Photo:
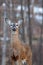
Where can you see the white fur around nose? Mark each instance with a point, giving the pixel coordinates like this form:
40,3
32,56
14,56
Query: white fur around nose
23,61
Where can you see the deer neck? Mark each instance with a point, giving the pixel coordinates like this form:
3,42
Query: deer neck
15,36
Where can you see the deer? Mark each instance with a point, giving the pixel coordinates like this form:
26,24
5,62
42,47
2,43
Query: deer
21,52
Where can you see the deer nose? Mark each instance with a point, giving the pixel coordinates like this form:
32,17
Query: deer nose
14,29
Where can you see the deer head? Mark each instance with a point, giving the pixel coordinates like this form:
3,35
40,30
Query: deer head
15,26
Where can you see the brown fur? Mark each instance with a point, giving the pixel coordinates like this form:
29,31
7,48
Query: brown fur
20,51
27,54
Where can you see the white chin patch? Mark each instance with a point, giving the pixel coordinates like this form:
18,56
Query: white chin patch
23,61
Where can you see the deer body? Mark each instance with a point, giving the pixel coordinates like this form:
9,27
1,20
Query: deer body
22,53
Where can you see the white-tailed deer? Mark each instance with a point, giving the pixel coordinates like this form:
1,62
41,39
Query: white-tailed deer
22,54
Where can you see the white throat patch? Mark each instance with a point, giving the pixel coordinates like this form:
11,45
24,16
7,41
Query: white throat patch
23,61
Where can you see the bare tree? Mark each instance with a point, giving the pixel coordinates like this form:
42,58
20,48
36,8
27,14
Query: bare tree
40,44
23,32
29,26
